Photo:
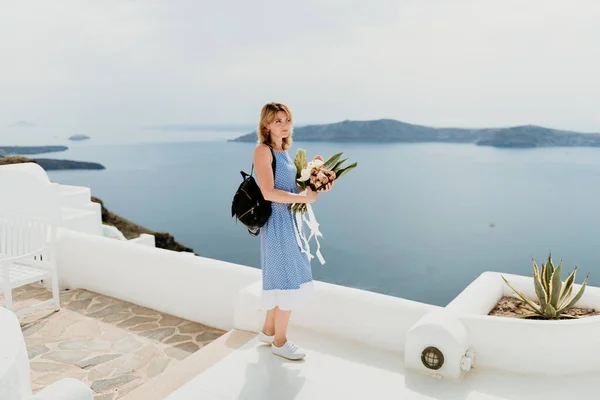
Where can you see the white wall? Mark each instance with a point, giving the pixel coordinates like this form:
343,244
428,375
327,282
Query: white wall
195,288
26,190
225,295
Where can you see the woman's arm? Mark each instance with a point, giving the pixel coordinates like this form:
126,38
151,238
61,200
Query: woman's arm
264,175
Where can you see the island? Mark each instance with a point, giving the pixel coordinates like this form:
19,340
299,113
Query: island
28,150
51,164
79,137
22,124
390,131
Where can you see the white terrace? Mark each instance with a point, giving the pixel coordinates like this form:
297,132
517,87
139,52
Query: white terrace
137,322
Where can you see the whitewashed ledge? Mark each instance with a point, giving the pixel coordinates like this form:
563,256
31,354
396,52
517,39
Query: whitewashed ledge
226,296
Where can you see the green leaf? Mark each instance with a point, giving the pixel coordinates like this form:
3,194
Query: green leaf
539,291
548,275
530,303
562,304
550,264
544,282
332,160
555,284
300,161
536,270
549,311
567,287
338,165
577,296
344,171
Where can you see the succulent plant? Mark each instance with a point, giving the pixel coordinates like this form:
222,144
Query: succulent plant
553,296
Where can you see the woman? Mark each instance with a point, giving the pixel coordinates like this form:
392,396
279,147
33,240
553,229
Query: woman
286,271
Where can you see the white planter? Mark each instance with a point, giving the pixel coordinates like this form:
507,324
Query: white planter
563,347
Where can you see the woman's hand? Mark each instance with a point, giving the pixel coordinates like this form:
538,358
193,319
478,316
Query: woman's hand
328,187
311,195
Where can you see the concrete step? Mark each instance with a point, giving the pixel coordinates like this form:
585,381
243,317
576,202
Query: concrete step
176,376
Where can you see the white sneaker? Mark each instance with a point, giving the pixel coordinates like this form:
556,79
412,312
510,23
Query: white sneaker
289,351
262,337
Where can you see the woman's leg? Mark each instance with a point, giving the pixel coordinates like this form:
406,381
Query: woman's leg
282,317
269,326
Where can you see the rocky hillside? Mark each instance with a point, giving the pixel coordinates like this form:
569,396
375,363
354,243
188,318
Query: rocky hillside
132,230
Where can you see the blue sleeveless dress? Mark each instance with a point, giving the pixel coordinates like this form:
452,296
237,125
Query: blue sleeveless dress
286,271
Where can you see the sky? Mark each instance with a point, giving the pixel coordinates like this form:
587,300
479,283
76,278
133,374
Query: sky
459,63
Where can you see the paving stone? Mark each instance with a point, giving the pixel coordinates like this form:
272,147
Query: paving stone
32,328
204,336
78,305
158,334
68,357
99,345
92,362
131,363
110,310
192,327
144,311
134,321
102,371
169,320
116,317
73,345
144,327
112,383
182,350
47,366
35,351
127,345
178,338
85,294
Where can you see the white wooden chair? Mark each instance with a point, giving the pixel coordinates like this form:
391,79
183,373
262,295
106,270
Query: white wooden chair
27,255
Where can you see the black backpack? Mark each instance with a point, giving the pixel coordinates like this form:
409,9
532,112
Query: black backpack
249,205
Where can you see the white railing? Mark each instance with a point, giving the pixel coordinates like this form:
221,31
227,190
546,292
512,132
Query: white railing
27,247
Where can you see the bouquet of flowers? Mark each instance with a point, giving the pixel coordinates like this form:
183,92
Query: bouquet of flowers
317,173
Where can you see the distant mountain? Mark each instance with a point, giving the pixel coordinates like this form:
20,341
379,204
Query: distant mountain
389,130
22,124
27,150
79,137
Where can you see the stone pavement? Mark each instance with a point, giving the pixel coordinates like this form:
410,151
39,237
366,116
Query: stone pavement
111,345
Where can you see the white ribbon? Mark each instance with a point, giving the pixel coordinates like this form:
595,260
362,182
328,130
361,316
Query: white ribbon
312,223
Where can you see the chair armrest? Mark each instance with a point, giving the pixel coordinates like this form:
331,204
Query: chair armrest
65,389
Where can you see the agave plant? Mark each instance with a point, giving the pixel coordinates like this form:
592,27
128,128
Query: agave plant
553,296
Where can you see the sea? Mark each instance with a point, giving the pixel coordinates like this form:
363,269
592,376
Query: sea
417,221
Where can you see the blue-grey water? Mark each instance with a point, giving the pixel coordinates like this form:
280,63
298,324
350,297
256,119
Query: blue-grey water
413,220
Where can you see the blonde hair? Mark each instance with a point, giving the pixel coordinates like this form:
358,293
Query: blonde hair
267,116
